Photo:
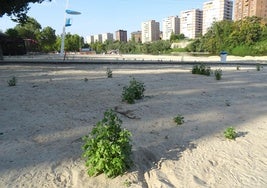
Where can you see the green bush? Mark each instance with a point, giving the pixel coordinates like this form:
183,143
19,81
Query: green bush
179,119
230,133
201,69
218,74
12,81
107,148
133,92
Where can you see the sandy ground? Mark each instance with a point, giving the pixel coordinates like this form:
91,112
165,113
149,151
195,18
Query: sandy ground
43,118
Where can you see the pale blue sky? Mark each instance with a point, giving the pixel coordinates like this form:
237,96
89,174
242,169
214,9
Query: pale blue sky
102,16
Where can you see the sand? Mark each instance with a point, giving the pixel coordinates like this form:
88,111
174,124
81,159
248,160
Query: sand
43,118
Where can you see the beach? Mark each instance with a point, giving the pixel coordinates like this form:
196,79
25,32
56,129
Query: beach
44,117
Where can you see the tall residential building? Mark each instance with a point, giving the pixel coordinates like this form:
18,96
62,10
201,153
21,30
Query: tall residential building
216,10
90,39
98,38
248,8
191,23
107,36
136,36
121,35
150,31
170,25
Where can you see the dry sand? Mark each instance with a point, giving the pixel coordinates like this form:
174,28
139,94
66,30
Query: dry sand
43,118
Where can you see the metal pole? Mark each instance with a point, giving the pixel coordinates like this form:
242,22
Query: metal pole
64,31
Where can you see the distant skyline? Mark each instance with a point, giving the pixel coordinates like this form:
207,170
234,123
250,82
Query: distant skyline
101,16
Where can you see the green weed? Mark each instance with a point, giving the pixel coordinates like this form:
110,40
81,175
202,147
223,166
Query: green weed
230,133
12,81
107,148
218,74
179,119
133,92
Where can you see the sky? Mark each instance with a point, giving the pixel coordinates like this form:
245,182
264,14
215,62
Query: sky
103,16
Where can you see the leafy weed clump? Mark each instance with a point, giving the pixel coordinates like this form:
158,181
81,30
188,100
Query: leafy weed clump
218,74
107,148
12,81
133,92
230,133
109,73
201,69
179,119
258,67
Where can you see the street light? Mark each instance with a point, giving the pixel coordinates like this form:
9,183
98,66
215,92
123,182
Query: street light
67,23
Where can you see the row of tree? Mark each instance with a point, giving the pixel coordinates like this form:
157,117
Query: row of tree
244,37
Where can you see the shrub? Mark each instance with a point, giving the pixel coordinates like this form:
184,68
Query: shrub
230,133
12,81
107,148
133,92
179,120
218,74
109,73
201,69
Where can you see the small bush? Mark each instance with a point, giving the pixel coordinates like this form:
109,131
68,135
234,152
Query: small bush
218,74
107,148
109,73
238,67
133,92
179,120
201,69
12,81
230,133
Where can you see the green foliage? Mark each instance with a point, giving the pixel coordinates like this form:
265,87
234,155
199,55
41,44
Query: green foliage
243,37
237,67
12,81
133,92
17,9
218,74
109,73
127,183
72,42
107,148
201,69
179,119
230,133
47,39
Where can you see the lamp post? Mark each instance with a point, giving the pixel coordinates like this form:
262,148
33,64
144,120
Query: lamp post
66,24
64,31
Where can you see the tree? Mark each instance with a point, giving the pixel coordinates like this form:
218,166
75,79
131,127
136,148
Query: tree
17,9
29,30
47,39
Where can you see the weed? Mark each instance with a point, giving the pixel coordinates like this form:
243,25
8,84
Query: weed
179,120
107,148
86,79
133,92
237,67
109,73
218,74
127,183
230,133
12,81
201,69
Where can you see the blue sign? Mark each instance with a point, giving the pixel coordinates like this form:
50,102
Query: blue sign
72,12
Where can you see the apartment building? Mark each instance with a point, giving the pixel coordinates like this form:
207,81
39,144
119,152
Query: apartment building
98,38
150,31
121,35
170,25
191,23
90,39
107,36
248,8
214,11
136,36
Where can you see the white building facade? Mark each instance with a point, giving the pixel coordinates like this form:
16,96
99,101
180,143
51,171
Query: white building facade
191,23
170,25
98,38
107,36
90,39
150,31
216,10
